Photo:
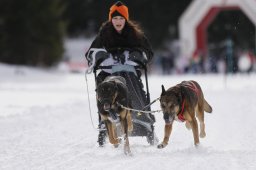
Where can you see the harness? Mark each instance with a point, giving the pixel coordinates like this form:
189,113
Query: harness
180,114
191,85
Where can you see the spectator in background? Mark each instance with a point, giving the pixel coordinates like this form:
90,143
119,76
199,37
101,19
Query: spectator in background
167,62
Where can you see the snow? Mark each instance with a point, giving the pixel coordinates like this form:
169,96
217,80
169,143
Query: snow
45,124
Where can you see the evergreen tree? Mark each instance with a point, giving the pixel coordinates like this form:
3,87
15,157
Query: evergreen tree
31,32
77,14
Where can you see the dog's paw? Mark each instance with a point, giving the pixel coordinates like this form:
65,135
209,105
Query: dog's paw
127,150
161,146
116,145
120,140
202,134
197,145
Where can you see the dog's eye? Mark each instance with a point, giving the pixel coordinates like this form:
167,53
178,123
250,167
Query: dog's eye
162,105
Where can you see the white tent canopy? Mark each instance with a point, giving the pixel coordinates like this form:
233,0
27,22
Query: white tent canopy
198,12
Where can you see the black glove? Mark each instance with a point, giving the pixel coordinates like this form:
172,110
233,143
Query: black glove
138,57
99,57
121,58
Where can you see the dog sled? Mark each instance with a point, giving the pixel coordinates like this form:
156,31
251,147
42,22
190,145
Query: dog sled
143,122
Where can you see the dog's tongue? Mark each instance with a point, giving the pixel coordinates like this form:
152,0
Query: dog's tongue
106,106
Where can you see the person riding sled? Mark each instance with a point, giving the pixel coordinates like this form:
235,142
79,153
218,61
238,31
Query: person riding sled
119,42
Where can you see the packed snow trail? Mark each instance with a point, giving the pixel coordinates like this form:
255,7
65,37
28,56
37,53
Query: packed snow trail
45,124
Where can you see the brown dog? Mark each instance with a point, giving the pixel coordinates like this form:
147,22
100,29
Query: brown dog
111,94
184,102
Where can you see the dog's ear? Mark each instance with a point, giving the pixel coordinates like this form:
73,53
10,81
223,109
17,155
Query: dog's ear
163,90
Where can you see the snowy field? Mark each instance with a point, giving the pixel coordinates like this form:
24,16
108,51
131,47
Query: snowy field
45,125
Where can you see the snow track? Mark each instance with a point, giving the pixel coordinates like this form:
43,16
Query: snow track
45,125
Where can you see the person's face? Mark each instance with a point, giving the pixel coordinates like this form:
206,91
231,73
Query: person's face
118,23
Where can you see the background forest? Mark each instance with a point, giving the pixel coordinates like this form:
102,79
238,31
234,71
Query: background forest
32,31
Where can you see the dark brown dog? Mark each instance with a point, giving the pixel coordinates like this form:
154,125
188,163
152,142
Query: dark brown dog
111,94
184,102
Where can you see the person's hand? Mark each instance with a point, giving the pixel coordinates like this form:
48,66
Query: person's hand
138,57
100,57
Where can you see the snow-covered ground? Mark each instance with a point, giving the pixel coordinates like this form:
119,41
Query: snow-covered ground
45,124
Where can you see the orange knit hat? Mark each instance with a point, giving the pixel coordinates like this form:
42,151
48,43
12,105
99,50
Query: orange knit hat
118,9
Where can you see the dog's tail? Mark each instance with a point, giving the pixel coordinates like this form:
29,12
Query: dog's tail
207,107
